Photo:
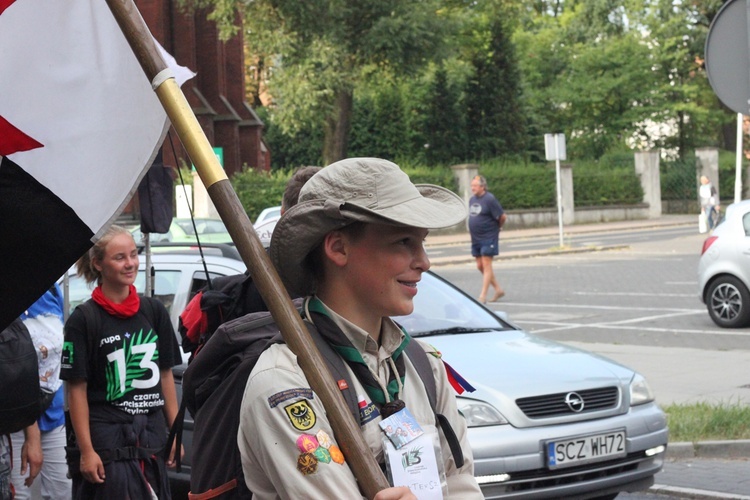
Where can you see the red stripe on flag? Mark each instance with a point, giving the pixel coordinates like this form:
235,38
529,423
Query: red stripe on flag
13,140
4,4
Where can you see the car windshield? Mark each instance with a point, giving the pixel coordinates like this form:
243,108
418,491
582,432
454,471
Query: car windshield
441,308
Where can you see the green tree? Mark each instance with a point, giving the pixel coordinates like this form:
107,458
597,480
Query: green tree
443,122
682,95
495,121
322,49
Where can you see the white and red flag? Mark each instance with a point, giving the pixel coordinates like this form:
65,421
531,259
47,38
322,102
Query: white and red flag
79,126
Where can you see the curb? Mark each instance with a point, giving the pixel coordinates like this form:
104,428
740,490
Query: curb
679,492
709,449
540,253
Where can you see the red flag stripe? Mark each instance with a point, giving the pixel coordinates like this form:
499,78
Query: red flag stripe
4,4
13,140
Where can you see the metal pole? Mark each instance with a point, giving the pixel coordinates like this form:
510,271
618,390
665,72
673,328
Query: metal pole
559,188
738,167
149,281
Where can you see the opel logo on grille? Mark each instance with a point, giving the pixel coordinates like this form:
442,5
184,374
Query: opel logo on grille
574,402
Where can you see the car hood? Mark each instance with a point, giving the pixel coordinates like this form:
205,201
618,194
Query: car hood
506,365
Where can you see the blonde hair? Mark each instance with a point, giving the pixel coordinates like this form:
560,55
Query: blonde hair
85,264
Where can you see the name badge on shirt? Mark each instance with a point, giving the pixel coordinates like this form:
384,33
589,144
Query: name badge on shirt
411,456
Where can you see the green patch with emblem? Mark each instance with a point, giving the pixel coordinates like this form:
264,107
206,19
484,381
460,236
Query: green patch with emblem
301,415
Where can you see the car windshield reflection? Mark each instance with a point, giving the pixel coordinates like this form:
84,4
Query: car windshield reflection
441,309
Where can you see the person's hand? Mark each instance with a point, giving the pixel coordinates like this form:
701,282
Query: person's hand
92,468
172,463
396,493
31,454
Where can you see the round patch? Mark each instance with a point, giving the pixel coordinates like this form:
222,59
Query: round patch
307,463
336,454
307,443
324,439
323,455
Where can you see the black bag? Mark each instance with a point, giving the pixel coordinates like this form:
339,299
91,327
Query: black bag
213,386
21,399
228,298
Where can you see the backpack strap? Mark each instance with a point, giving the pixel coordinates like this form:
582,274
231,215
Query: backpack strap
421,363
93,326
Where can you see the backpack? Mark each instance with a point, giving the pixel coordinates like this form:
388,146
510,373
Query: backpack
213,386
21,399
227,298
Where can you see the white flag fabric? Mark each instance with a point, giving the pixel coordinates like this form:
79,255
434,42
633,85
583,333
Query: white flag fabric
79,126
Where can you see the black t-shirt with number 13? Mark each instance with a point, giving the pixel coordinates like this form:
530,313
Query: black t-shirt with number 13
124,370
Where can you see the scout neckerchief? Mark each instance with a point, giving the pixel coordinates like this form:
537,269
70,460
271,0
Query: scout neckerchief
343,346
127,308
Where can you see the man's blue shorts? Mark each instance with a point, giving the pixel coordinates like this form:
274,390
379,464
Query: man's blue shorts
488,248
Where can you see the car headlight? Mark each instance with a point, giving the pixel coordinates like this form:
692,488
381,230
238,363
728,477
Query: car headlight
640,392
478,413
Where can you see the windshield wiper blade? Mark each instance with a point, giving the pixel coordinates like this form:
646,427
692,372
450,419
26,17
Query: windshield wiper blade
454,330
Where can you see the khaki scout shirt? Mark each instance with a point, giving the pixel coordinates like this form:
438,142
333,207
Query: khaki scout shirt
286,441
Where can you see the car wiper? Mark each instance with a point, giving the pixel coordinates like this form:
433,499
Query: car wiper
454,330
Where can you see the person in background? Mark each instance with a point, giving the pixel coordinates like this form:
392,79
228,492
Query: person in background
486,219
294,184
117,360
709,199
354,248
44,320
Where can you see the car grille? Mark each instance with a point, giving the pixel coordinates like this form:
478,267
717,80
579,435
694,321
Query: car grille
555,405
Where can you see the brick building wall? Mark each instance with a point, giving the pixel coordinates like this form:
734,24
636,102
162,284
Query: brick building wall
217,93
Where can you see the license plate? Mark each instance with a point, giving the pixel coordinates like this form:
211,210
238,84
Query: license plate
585,449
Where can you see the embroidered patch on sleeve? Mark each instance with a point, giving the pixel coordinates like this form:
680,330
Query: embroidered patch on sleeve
367,412
324,439
288,394
336,454
322,455
307,443
307,464
321,448
67,355
301,415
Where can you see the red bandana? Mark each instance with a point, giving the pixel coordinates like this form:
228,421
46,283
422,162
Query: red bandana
126,309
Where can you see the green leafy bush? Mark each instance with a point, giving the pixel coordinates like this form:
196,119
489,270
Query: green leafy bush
258,190
519,185
618,186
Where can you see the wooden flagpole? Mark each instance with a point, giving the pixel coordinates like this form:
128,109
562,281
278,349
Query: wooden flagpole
347,432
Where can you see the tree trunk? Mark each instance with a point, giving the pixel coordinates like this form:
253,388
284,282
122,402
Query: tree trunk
337,128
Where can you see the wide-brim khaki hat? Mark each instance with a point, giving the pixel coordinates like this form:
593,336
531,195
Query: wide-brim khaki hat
356,189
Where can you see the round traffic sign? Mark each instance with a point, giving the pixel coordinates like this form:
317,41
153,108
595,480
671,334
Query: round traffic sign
728,56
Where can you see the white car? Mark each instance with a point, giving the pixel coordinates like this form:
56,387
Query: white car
268,213
179,274
724,269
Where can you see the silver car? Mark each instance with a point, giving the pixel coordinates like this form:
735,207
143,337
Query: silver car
547,420
724,269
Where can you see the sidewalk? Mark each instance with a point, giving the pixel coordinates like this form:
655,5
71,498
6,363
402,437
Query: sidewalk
464,239
707,470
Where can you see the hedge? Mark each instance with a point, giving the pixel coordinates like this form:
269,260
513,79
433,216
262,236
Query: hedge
517,185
